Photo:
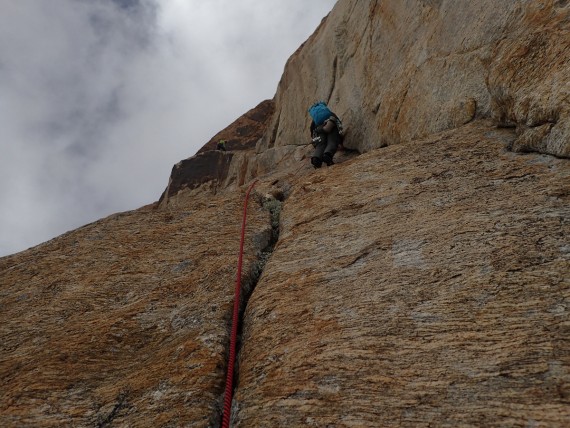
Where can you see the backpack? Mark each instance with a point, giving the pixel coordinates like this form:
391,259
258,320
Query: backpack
319,112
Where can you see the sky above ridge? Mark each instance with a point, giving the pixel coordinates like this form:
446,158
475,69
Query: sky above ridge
100,98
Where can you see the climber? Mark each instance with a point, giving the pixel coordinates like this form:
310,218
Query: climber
326,134
221,145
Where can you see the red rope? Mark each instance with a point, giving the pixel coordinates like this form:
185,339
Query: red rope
228,395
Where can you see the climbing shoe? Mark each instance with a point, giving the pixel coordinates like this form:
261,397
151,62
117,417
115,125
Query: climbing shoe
328,159
317,163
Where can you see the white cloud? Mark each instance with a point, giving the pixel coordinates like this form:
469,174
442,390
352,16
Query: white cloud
99,98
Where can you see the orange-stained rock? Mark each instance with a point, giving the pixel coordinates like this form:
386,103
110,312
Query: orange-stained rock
422,283
424,287
124,322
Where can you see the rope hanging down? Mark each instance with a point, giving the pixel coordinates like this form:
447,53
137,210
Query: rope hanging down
228,395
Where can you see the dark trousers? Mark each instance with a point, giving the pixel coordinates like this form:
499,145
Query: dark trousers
329,144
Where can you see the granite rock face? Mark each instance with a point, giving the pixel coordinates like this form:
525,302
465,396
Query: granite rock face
529,79
124,322
424,287
424,282
398,70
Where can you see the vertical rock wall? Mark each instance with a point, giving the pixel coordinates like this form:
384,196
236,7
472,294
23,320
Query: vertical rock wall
395,71
399,70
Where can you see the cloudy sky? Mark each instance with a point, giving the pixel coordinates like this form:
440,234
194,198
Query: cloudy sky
100,98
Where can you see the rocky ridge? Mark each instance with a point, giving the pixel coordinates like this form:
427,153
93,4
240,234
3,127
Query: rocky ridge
422,283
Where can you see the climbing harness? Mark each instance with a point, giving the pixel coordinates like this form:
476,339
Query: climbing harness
228,394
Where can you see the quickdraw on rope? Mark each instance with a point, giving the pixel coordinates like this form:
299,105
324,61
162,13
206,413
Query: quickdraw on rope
228,394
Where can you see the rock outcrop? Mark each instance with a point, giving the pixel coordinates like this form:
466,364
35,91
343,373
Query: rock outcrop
211,169
246,130
421,281
206,169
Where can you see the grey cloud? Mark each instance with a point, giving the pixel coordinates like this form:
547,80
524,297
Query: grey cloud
99,98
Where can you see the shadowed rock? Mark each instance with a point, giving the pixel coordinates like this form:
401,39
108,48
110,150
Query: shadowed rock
206,167
245,131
